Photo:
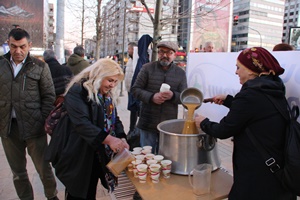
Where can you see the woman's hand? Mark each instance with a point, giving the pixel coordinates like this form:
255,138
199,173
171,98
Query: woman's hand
198,119
125,143
219,99
116,144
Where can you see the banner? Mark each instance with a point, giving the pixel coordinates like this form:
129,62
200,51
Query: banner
26,14
210,23
214,73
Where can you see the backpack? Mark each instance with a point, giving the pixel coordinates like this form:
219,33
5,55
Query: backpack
57,125
55,115
289,173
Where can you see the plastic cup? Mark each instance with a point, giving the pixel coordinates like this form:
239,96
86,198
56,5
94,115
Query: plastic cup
155,172
201,179
120,161
142,172
166,168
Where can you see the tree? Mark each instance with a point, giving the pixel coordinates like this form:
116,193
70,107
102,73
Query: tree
98,29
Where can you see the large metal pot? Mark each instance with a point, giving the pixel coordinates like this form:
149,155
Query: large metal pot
186,150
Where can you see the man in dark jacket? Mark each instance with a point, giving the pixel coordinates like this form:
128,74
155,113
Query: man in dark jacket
61,75
158,106
76,62
26,99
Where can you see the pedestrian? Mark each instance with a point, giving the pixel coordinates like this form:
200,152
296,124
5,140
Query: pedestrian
283,47
208,47
158,106
76,61
128,78
61,74
95,132
27,96
133,103
250,109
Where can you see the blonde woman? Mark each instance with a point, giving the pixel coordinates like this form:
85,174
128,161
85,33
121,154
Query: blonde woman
95,132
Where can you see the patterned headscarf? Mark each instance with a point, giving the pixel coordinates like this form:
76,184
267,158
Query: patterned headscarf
259,61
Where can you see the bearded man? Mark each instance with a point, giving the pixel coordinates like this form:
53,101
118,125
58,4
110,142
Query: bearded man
156,105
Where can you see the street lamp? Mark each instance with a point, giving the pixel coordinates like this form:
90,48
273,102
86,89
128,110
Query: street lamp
123,45
258,34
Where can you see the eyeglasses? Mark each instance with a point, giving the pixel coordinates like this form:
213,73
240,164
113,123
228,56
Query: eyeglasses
169,53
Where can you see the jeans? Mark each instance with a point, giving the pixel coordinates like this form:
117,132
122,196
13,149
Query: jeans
15,151
149,138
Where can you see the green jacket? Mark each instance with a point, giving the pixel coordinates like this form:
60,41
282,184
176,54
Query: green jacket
77,63
31,94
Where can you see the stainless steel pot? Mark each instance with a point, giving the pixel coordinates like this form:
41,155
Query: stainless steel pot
186,150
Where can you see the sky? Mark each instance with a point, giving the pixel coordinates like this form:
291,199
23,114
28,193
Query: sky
72,22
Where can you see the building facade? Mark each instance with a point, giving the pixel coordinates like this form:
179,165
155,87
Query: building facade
260,23
291,23
131,19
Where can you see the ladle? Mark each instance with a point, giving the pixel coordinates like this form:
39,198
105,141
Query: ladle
191,99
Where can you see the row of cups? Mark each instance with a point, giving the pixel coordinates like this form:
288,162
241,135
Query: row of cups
146,163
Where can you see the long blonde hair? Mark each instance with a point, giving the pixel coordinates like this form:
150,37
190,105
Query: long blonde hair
94,74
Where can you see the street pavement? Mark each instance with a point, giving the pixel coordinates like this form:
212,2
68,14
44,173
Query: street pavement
7,190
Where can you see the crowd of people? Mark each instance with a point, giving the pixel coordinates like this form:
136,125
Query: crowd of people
29,88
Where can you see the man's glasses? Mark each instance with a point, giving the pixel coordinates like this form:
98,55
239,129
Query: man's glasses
169,53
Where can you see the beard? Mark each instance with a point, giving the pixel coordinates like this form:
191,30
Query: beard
164,62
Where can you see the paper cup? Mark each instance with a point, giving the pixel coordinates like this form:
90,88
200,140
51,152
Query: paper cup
135,153
158,158
130,167
142,172
137,149
166,168
140,157
164,87
155,172
147,147
146,151
149,156
134,169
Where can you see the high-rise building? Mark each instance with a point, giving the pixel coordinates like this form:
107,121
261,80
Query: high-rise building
259,23
291,23
133,21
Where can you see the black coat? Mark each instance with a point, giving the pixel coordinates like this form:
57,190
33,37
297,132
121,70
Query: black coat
61,75
250,108
86,136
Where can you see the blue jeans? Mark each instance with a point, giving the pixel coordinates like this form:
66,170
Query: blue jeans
148,138
15,151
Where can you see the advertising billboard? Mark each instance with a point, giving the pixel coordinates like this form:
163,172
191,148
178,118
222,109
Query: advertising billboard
295,37
211,24
27,14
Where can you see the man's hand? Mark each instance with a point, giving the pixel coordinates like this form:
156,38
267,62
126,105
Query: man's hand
161,97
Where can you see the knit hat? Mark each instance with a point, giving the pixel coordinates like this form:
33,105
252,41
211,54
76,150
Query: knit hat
169,45
260,61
